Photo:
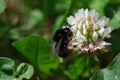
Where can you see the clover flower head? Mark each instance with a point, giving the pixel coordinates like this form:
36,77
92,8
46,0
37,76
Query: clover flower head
89,31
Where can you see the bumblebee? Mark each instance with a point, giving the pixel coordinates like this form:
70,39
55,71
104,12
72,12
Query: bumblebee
62,38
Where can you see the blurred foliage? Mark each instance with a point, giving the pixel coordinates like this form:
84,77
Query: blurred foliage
115,21
112,72
24,71
7,70
37,50
23,20
2,6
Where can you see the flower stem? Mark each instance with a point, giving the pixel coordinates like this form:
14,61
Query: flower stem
88,65
66,14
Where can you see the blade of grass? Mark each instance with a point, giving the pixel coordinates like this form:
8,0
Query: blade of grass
65,16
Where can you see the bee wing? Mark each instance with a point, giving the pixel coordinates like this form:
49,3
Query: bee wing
58,46
53,50
55,47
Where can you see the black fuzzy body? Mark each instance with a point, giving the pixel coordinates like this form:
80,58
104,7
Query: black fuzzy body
62,38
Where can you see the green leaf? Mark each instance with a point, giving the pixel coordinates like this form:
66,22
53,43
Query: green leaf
112,72
24,71
37,50
2,6
115,21
6,69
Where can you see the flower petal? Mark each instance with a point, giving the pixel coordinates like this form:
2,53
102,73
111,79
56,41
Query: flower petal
71,20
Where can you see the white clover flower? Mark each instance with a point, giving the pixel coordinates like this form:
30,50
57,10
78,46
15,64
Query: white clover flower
88,30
